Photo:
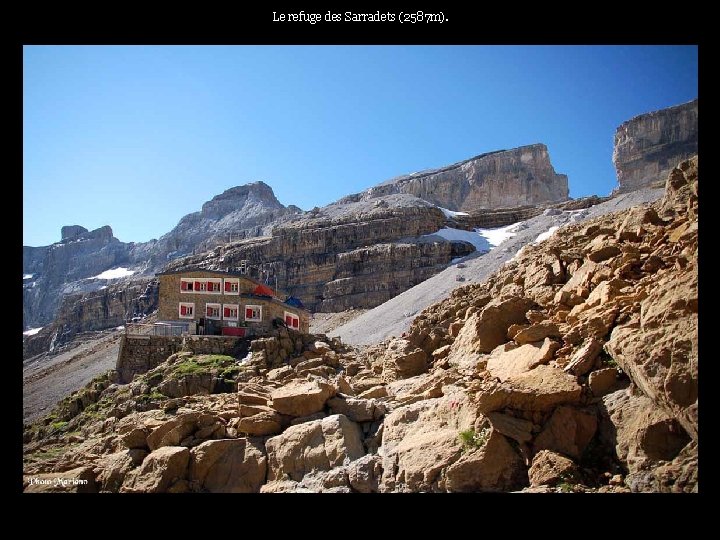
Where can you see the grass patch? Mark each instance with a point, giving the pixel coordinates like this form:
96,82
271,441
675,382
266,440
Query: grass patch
471,440
59,425
152,396
48,453
204,363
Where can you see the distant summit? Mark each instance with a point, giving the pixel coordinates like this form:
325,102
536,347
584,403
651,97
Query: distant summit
499,179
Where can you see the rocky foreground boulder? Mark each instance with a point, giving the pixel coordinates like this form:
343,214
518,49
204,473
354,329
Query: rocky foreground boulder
573,368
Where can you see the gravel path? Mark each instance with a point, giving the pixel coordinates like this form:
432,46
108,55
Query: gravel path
322,323
394,316
48,379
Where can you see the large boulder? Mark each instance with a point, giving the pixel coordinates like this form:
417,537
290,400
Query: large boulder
540,389
485,330
507,360
262,423
187,429
112,469
356,409
159,471
643,436
420,441
495,466
661,356
319,445
402,360
568,432
228,466
364,474
301,398
549,468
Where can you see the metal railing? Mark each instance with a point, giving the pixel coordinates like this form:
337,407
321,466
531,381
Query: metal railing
145,329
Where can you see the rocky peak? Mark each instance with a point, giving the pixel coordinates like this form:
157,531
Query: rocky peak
78,232
68,232
257,194
649,146
500,179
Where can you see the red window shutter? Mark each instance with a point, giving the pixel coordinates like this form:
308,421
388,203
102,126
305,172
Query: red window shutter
197,285
227,286
183,286
209,312
288,320
296,323
183,310
227,311
248,313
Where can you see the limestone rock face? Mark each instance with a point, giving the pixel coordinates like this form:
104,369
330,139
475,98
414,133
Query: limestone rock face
302,399
499,179
549,467
644,437
420,441
159,471
658,347
319,445
650,145
494,467
228,466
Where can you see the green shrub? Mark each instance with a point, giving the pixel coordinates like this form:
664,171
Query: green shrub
58,425
471,440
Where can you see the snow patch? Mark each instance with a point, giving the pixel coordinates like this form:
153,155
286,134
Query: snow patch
28,276
119,328
115,273
480,243
483,239
32,331
451,213
547,234
497,236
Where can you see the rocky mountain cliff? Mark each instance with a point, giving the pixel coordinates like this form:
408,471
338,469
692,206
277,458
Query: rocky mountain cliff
351,254
505,178
648,146
574,368
240,212
51,271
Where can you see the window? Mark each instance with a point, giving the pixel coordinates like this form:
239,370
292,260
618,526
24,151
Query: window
212,311
186,310
230,312
200,286
213,285
253,313
186,285
292,321
232,286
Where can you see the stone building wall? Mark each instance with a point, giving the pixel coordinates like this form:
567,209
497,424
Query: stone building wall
171,296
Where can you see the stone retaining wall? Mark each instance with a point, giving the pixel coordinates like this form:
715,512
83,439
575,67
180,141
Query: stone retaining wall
139,353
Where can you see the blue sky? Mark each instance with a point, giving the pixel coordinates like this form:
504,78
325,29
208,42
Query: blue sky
136,137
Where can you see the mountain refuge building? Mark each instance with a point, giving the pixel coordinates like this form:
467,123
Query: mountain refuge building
210,302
